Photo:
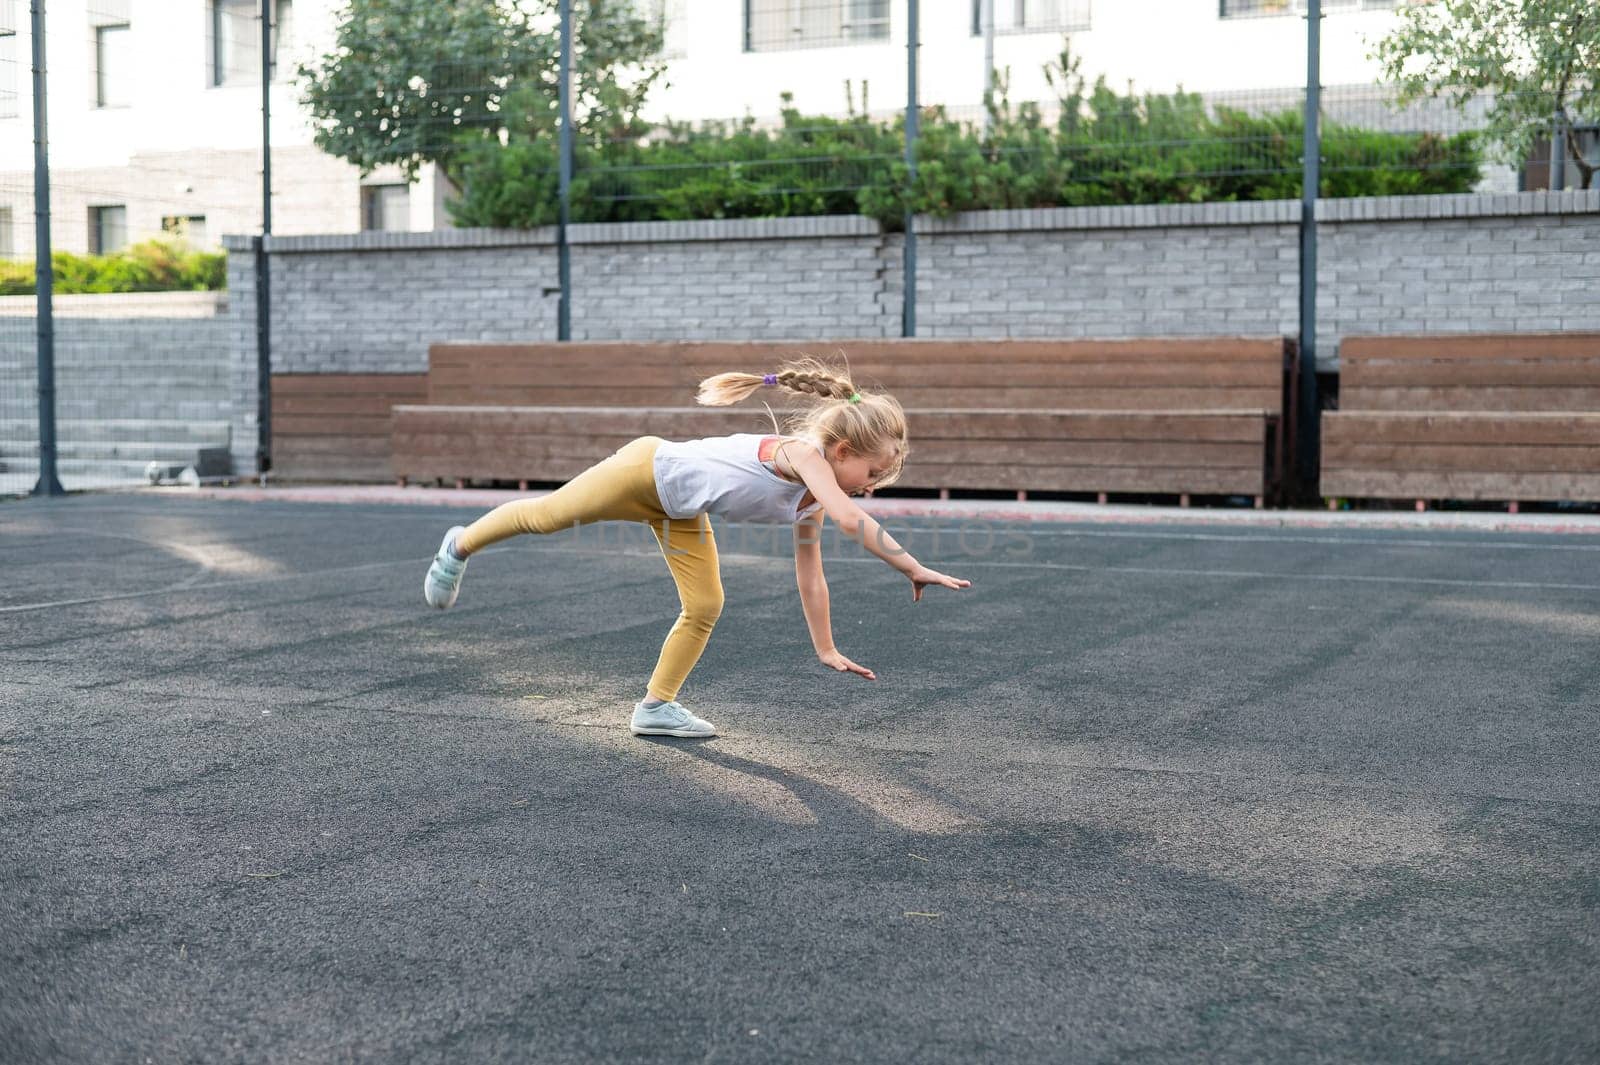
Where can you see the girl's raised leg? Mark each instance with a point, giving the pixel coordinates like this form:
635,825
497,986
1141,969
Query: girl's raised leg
620,488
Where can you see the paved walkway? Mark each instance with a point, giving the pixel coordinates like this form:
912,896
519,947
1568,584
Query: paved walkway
1195,790
987,510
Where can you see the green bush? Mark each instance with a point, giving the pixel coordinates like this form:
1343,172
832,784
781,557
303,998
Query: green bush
152,266
16,279
1102,148
721,170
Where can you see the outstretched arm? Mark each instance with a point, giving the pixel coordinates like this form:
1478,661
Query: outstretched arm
814,596
858,525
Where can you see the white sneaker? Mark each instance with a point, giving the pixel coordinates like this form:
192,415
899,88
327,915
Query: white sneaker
443,581
669,719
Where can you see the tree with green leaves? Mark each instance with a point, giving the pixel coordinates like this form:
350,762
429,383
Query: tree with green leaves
1537,60
410,82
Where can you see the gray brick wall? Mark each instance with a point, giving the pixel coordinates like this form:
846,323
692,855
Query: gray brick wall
375,312
1474,275
121,368
148,380
1201,280
240,324
1512,263
738,289
374,302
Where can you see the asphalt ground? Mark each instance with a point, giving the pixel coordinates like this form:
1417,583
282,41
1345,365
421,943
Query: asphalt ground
1144,793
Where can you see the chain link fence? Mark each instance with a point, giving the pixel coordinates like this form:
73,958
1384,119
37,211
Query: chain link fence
401,115
136,330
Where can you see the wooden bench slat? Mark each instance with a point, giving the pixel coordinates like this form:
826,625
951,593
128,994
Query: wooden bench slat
1459,485
680,385
1469,346
334,469
686,423
1469,399
1494,458
295,425
466,444
363,446
1544,428
331,408
1501,373
325,384
1087,453
1144,479
911,398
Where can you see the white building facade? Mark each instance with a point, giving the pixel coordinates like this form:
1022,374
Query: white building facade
155,122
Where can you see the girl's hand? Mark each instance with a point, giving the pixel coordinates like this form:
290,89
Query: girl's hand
844,665
922,576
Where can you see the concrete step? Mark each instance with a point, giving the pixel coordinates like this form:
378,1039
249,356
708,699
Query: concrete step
83,386
76,474
196,433
120,410
110,451
16,357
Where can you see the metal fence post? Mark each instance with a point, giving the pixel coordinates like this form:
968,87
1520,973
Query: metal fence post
986,26
263,272
1308,418
563,252
1558,153
48,484
908,304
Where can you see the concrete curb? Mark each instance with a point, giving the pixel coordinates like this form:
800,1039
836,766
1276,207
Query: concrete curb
969,510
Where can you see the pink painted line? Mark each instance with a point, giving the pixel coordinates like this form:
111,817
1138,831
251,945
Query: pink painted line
968,509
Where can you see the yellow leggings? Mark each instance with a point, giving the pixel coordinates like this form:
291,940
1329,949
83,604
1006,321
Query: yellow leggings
623,488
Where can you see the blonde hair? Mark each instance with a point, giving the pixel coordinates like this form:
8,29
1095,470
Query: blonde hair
873,423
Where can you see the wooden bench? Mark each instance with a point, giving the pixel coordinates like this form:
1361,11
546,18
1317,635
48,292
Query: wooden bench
1512,417
1182,417
335,427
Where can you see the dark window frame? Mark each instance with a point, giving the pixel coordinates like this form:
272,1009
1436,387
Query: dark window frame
1296,8
371,205
9,32
751,47
218,76
100,98
97,228
1014,31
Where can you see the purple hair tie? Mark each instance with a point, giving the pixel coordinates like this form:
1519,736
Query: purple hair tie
770,379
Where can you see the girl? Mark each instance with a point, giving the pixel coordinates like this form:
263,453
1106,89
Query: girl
846,443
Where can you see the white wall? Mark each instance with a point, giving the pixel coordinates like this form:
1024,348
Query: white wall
1159,44
185,146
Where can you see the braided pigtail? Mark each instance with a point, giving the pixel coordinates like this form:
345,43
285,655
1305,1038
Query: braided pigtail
870,423
726,389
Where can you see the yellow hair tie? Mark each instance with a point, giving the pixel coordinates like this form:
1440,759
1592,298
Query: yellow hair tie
855,397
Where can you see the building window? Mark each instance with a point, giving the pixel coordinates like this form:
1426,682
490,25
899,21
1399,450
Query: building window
776,25
1033,16
1259,8
671,20
386,207
189,228
10,102
108,229
113,54
236,40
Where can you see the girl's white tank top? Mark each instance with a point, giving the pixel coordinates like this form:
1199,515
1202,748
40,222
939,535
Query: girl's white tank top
725,476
